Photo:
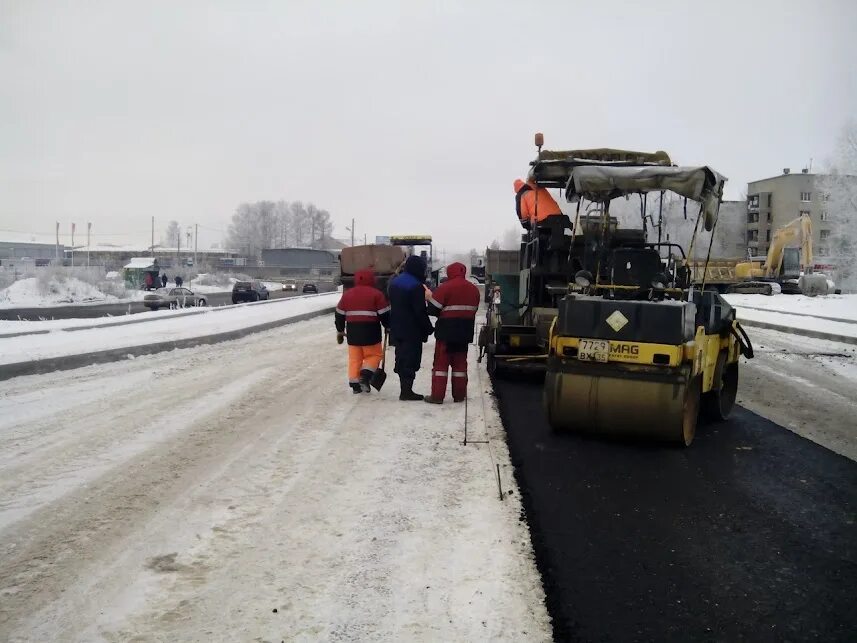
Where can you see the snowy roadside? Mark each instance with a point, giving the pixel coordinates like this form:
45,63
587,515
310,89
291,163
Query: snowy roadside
832,306
804,384
261,501
43,325
815,314
160,328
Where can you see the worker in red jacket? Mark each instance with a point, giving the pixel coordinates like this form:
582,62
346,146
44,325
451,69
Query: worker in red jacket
361,312
455,303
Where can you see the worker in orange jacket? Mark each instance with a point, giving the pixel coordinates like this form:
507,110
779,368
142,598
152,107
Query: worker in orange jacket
361,312
533,203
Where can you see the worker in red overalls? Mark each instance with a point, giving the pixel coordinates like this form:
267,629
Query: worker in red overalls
455,303
361,312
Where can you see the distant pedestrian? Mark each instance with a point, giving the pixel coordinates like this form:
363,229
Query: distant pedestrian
410,326
179,281
164,280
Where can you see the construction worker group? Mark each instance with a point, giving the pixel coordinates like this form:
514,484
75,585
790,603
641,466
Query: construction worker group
364,310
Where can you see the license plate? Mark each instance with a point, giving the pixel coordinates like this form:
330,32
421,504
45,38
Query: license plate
593,350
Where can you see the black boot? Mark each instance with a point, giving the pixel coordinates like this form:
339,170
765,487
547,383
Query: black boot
365,378
356,388
407,394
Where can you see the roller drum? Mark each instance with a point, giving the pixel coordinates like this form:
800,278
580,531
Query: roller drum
614,404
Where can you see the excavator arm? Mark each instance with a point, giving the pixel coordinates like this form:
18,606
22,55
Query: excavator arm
800,227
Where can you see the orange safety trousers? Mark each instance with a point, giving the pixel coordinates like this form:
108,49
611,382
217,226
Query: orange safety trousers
363,357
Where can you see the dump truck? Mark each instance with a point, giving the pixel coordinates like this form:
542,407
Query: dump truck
383,260
637,347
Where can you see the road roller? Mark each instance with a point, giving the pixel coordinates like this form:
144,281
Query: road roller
637,348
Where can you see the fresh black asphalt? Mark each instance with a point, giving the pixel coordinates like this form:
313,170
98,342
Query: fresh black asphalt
748,535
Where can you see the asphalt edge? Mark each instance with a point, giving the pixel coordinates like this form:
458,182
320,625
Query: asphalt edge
69,362
815,334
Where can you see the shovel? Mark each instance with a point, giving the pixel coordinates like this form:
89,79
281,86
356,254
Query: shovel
380,375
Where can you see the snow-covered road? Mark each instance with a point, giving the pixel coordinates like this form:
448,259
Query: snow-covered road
240,492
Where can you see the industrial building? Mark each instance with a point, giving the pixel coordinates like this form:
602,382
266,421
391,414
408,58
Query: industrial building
16,252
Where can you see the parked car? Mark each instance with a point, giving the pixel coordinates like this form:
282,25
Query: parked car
310,288
290,286
249,291
172,298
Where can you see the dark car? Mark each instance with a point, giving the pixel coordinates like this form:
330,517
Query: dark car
310,288
249,291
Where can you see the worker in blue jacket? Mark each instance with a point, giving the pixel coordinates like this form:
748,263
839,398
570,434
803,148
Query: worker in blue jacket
410,326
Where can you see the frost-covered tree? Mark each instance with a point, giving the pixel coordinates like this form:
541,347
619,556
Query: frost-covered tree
170,238
269,224
838,190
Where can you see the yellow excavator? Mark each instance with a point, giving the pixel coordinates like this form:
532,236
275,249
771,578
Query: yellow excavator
637,348
787,267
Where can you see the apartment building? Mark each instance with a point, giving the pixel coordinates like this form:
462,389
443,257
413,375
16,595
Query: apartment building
773,202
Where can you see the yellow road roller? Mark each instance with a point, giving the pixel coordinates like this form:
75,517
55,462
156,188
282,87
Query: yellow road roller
637,349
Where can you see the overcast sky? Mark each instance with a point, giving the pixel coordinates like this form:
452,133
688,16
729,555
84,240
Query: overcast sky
407,116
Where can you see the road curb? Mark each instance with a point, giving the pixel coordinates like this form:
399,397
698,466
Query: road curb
68,362
815,334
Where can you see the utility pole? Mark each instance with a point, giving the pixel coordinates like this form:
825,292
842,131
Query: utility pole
72,245
352,232
179,247
153,237
58,244
195,243
365,243
88,231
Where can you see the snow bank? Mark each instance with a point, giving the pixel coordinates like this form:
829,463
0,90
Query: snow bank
18,326
34,293
161,328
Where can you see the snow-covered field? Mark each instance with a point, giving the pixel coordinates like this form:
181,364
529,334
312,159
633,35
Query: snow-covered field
156,328
797,311
241,492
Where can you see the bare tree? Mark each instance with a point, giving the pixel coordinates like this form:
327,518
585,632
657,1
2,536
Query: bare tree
268,224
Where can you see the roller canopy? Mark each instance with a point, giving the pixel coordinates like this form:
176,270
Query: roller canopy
604,182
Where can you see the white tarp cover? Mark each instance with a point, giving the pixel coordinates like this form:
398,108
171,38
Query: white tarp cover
141,263
603,182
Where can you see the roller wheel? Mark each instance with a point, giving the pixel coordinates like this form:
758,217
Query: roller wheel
690,411
491,364
718,403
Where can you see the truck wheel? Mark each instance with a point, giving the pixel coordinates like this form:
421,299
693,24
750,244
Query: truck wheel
202,302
